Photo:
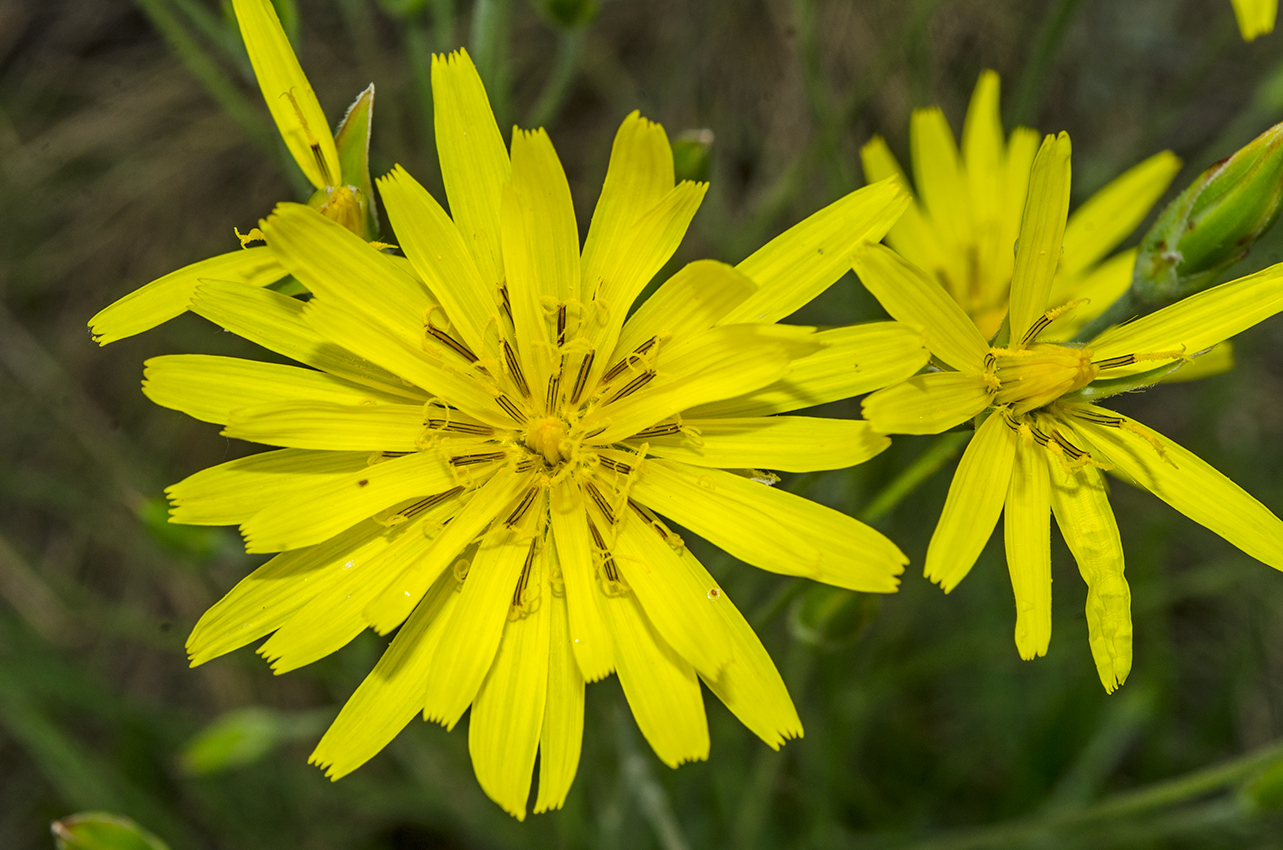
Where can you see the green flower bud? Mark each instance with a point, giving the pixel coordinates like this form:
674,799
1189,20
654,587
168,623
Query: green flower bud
351,203
1212,224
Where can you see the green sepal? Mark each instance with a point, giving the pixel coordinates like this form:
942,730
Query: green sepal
102,831
353,143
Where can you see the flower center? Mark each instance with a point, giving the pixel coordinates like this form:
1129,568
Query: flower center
342,204
1034,377
549,437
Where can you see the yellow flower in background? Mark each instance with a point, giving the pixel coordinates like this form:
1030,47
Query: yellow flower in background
483,448
338,168
1255,17
1042,441
970,202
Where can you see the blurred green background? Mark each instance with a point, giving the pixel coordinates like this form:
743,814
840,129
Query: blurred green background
132,141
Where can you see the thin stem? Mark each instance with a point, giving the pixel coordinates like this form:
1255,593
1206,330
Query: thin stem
941,451
651,798
1041,59
565,64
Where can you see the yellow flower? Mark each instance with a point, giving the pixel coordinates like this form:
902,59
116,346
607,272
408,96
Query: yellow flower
970,204
1255,17
483,448
336,166
1042,441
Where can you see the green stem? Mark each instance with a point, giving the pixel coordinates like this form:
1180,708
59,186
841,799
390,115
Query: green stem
1141,801
941,451
566,63
1043,55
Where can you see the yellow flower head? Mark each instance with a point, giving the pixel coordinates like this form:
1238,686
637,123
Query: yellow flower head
1042,442
969,210
337,167
1255,17
487,440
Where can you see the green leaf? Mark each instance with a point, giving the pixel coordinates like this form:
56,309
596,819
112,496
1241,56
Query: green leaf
102,831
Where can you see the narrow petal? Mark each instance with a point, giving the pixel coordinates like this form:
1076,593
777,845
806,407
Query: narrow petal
750,686
983,150
939,179
289,96
591,641
563,720
209,388
1022,148
789,443
232,492
854,360
1042,232
439,253
911,297
1086,521
1255,17
1110,215
276,322
770,528
912,236
660,685
1218,361
973,505
167,297
468,648
328,426
1197,322
677,603
266,598
691,301
474,160
1186,482
809,257
1028,538
391,696
927,404
508,714
1099,288
312,515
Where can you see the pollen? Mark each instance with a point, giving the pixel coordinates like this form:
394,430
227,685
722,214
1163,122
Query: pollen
549,437
1034,377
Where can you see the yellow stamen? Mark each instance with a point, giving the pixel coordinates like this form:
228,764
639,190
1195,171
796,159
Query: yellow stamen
1034,377
549,437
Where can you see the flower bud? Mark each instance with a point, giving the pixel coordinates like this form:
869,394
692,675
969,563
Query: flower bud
1212,224
352,202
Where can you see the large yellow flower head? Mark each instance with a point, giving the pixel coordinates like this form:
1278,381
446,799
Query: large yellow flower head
487,440
337,167
969,209
1255,17
1042,442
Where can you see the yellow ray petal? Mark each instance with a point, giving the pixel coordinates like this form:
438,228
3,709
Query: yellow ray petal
440,255
167,297
912,236
809,257
1255,17
691,301
1028,539
1197,322
789,443
270,595
276,322
508,713
398,598
750,686
911,297
719,363
854,360
1186,482
983,150
563,721
468,648
677,603
660,685
639,176
1022,148
1086,521
1042,230
940,181
1099,288
1106,219
392,694
232,492
474,160
770,528
328,426
312,515
591,641
974,502
927,404
1218,361
288,94
209,388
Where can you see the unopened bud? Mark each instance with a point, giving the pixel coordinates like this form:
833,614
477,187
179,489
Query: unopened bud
351,203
